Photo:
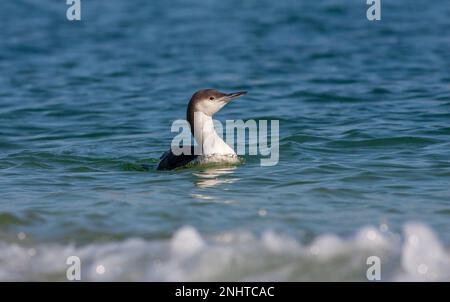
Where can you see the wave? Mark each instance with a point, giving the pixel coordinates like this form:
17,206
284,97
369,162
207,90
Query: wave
415,255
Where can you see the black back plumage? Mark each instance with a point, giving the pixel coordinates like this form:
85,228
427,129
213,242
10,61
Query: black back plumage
170,161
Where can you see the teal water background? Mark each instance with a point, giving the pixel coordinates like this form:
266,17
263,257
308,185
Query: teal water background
364,111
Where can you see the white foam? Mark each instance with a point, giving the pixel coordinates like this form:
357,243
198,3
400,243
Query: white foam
418,255
423,256
186,242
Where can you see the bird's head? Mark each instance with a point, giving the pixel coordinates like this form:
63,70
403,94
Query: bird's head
210,101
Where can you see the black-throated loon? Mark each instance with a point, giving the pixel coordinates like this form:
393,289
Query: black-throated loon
201,108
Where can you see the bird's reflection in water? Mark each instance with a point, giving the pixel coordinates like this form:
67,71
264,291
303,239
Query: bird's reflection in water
213,177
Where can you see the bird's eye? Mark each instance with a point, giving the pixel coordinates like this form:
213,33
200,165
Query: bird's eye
211,98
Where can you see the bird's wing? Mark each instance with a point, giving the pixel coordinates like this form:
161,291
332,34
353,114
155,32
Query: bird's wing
169,161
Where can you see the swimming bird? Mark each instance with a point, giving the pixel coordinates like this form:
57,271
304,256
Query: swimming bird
200,111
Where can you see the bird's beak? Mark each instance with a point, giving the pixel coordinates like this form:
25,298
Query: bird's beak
234,95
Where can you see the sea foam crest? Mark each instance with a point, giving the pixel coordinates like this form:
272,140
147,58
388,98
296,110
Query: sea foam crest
416,255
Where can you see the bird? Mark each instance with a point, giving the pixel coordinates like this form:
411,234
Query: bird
211,147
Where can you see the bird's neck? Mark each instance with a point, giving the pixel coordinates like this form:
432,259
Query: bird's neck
207,138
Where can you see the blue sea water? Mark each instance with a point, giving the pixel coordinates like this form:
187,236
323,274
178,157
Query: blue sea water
364,167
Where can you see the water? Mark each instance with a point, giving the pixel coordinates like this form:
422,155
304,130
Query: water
364,166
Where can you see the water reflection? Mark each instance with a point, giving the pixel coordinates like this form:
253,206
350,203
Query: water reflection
213,177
